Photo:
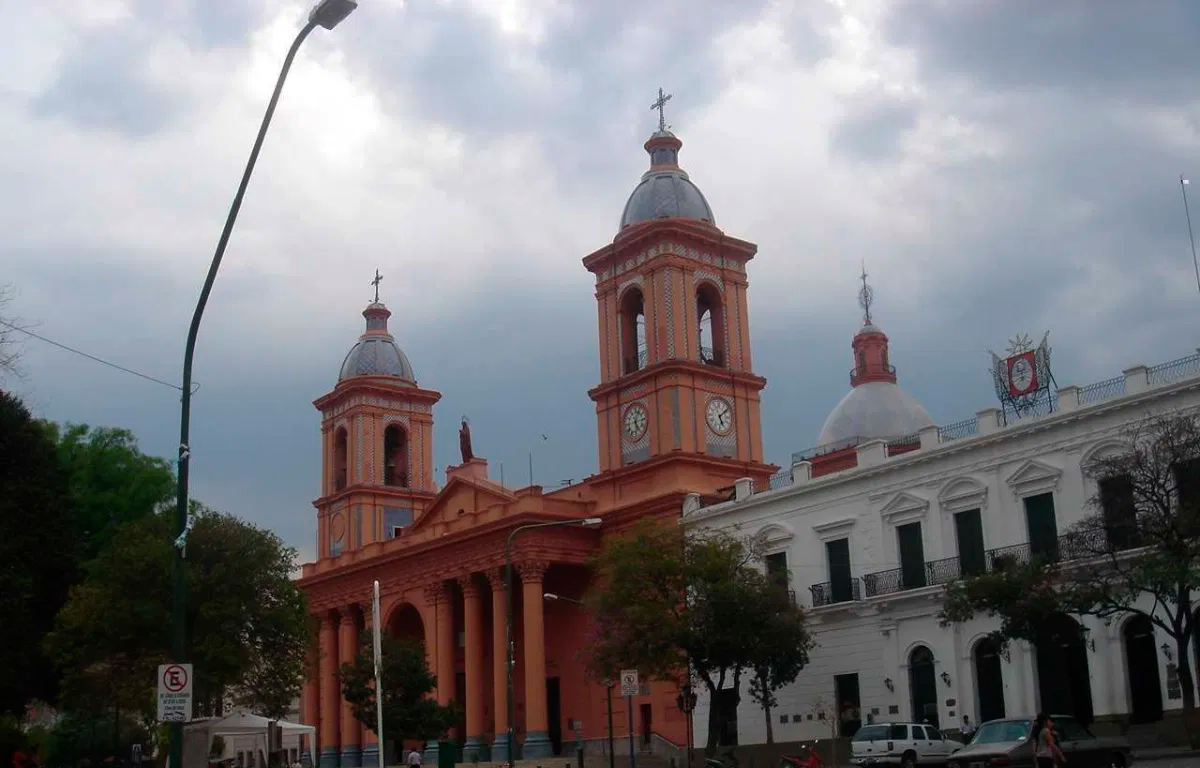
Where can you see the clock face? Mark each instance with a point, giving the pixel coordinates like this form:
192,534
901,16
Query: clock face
635,422
719,415
1020,375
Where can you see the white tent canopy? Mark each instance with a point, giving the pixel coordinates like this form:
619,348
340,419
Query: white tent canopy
241,723
203,731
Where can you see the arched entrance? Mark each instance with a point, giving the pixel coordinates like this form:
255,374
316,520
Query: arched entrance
406,622
1141,665
1064,680
922,686
989,680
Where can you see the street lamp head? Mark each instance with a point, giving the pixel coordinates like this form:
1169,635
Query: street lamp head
549,596
330,13
591,522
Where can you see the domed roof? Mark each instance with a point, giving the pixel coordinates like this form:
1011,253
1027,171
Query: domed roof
376,353
665,190
874,410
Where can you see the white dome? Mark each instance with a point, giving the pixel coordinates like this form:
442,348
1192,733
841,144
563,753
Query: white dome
874,410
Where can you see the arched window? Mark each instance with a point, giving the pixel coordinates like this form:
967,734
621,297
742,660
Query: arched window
395,456
341,459
711,315
922,686
989,681
633,331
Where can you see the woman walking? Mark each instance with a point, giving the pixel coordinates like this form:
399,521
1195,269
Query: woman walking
1045,745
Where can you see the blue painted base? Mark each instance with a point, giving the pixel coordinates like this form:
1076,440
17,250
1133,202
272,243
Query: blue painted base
537,744
330,758
474,750
500,750
351,757
370,755
430,755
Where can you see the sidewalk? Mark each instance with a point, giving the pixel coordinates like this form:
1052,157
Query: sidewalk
1164,753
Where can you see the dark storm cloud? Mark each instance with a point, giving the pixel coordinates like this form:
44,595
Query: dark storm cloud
1143,51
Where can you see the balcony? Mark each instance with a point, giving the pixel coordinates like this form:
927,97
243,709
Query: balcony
829,593
1073,546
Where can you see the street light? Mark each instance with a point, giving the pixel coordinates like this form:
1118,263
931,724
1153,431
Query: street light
608,686
327,14
586,522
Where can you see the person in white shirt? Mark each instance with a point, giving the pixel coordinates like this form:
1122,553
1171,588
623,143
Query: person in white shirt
414,758
968,728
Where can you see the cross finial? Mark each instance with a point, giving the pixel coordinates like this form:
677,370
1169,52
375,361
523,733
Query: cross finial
865,296
378,279
661,102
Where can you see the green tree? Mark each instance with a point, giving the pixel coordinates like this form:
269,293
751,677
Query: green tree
408,710
248,626
1136,553
666,602
110,482
779,650
36,554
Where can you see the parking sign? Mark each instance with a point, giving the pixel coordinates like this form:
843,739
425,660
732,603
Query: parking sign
629,682
174,693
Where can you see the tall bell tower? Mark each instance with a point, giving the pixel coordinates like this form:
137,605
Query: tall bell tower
376,443
671,293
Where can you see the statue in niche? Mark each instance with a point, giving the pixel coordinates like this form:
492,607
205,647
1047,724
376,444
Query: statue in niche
464,440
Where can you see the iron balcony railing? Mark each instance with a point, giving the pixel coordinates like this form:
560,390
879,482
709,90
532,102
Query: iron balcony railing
1071,546
842,591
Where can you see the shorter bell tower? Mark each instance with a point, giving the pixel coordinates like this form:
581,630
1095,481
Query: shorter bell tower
376,443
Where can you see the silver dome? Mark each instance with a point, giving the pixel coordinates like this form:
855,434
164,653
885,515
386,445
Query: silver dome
376,352
665,190
874,410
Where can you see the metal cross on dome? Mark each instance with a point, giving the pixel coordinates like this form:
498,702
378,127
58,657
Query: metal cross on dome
865,296
663,98
378,279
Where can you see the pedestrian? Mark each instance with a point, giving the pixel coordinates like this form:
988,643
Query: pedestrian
968,728
1044,744
414,758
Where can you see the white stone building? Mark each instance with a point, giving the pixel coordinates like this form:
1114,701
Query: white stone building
870,532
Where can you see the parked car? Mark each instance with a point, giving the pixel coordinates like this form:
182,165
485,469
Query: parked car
1006,744
901,744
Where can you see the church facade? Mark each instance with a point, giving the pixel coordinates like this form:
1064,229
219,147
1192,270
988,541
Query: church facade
677,409
871,526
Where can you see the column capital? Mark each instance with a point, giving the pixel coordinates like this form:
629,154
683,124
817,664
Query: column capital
468,585
346,616
532,571
495,577
435,593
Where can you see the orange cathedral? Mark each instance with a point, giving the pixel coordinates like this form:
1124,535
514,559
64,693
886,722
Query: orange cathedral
677,412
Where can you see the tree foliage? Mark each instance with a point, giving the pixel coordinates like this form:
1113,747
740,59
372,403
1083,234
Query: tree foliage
779,651
664,601
36,556
1135,553
110,482
248,627
10,350
408,710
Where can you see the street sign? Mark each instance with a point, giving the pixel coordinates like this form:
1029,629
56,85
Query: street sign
174,693
629,682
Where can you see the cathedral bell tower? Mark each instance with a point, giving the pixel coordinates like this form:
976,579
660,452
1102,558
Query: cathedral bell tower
376,443
671,293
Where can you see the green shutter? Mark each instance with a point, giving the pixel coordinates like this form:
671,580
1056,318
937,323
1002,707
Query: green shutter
912,555
838,554
1043,528
968,527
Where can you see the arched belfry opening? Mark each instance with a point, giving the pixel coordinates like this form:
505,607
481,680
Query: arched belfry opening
710,312
633,330
395,456
341,459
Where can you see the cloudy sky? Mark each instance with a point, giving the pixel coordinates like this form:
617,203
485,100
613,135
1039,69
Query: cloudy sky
1002,167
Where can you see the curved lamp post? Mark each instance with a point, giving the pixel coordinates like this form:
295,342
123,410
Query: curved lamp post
586,522
326,14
